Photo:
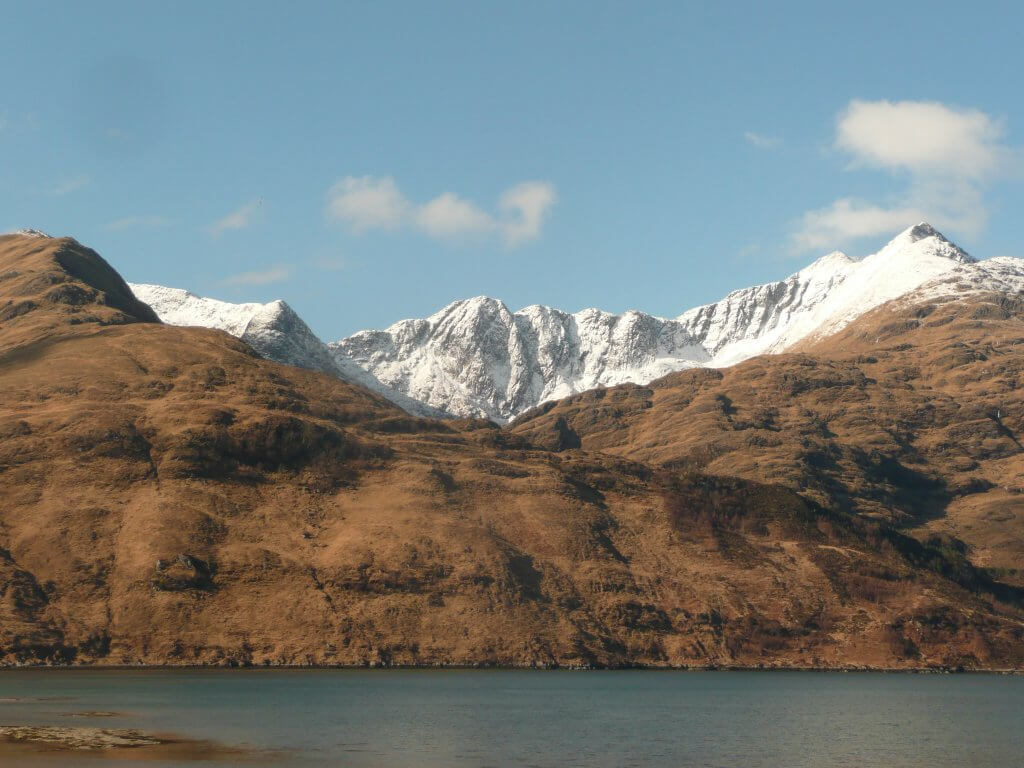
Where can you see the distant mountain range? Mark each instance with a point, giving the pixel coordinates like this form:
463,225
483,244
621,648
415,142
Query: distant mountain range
478,358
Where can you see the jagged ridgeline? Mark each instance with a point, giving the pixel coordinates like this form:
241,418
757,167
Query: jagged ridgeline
478,358
171,496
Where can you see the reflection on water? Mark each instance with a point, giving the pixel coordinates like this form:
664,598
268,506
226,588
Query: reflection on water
428,719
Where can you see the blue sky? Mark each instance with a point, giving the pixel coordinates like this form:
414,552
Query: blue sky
374,161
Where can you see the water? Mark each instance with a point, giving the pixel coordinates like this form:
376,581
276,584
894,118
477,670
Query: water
430,719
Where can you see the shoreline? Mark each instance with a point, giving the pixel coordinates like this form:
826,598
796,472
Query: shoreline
482,667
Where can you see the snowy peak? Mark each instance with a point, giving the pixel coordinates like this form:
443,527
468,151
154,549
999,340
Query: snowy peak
921,231
923,241
478,358
821,298
829,264
176,306
942,245
273,329
755,320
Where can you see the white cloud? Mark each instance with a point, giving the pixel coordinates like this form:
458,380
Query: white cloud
524,208
239,219
68,186
850,219
138,222
761,141
366,203
924,137
945,154
259,277
448,215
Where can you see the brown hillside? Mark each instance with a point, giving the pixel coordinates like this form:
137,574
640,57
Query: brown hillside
912,415
168,497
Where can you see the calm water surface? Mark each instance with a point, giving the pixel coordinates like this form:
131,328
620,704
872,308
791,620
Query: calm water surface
428,719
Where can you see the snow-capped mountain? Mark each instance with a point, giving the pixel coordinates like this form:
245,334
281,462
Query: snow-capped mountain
821,298
1002,274
476,357
274,330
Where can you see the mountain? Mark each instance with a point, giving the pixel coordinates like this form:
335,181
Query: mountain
172,497
478,358
274,330
913,414
822,298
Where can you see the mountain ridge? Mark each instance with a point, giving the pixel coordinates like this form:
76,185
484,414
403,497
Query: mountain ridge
275,330
425,359
478,358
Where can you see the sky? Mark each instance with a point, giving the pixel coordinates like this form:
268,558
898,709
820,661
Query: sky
373,161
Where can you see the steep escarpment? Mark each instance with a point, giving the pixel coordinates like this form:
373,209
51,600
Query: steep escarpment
171,497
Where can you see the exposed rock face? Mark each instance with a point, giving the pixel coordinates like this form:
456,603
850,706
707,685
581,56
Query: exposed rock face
170,497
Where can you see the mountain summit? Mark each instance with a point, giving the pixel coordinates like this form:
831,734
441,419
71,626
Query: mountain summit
274,329
821,298
923,231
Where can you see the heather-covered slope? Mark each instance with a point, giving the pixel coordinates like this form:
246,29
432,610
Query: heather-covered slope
170,497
